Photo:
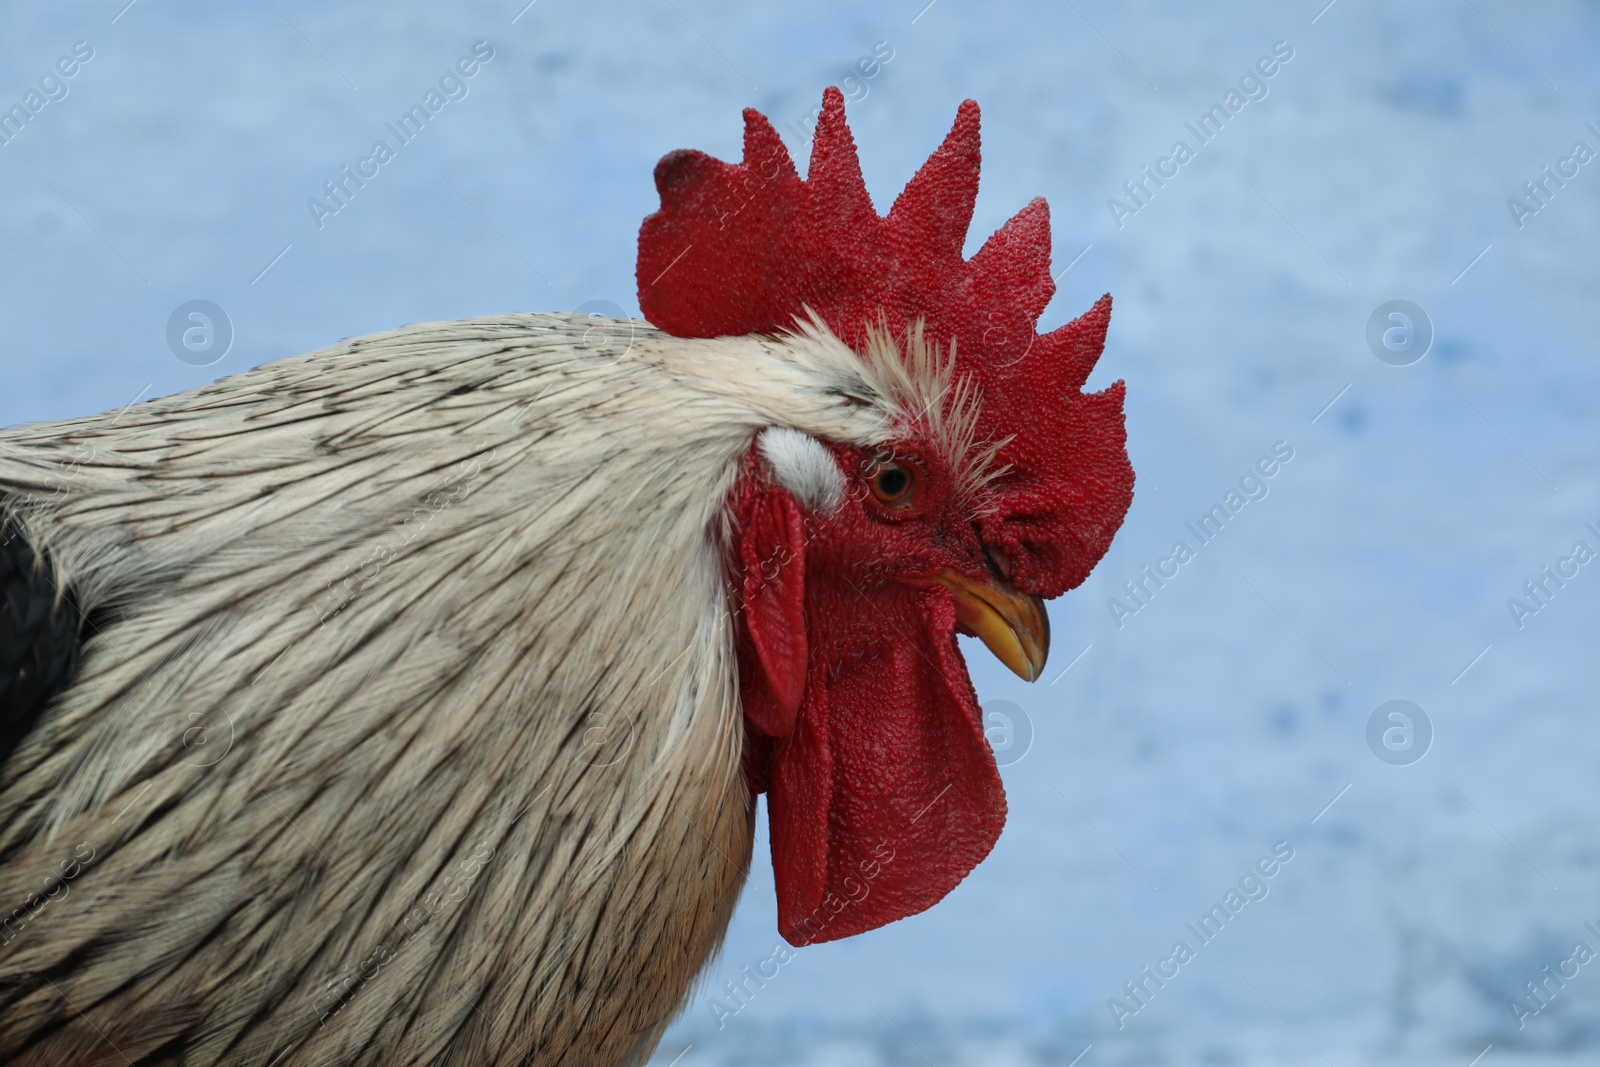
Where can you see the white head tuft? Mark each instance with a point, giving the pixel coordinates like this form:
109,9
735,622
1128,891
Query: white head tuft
801,465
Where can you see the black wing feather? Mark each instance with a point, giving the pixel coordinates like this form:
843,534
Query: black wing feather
40,636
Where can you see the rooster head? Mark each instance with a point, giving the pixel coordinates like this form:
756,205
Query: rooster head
853,567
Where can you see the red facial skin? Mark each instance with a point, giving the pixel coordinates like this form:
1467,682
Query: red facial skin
882,791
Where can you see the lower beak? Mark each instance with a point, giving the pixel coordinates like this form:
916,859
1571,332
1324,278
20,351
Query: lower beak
1013,625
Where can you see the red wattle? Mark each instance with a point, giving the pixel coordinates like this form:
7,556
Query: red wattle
886,795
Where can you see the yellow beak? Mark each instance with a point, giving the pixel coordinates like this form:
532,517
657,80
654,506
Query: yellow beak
1013,625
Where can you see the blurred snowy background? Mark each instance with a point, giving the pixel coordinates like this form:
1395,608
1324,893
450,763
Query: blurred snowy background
1441,861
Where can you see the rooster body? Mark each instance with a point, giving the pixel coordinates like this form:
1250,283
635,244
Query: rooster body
312,590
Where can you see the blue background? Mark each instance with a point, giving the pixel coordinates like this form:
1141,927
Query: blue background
1232,708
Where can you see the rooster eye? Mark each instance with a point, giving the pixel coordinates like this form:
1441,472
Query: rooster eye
893,483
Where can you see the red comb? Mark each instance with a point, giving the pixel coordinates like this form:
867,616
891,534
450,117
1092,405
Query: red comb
744,248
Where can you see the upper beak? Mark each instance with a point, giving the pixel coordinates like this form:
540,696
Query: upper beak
1013,625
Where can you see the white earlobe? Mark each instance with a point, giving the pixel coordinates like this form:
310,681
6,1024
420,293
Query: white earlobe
801,465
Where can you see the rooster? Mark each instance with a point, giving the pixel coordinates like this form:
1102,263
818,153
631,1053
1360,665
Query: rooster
406,702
